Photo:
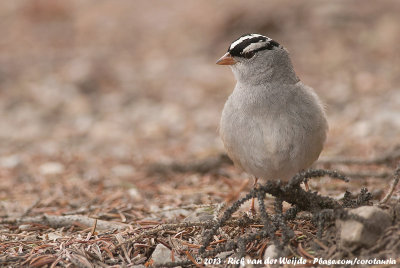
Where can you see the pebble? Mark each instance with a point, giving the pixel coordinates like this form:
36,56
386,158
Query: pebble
162,254
51,168
272,252
135,194
10,161
356,234
25,227
123,170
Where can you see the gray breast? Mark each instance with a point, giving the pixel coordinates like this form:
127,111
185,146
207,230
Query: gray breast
272,138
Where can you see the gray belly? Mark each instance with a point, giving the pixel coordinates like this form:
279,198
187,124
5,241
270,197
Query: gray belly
269,148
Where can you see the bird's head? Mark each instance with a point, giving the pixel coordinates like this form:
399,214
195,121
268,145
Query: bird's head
255,58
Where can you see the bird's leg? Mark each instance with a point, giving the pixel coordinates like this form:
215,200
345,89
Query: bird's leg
306,185
252,209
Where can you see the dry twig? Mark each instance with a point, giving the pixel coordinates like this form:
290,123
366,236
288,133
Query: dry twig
393,186
382,159
66,221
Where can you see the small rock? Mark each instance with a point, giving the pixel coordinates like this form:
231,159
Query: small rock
356,234
162,254
171,212
10,161
200,215
54,236
135,194
377,193
51,168
273,252
25,227
123,170
30,238
224,255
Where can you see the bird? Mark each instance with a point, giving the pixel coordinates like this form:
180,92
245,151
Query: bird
272,125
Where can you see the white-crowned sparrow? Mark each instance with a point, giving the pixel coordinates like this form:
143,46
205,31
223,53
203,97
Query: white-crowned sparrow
272,125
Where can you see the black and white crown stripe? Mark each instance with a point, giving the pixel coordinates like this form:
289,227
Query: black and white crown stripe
252,43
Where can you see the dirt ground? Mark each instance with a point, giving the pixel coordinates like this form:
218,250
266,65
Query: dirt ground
110,110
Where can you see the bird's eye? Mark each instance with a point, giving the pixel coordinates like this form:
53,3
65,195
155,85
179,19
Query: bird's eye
248,55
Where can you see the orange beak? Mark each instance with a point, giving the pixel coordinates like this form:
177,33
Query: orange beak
226,59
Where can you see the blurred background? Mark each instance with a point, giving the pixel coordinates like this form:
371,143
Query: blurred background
93,91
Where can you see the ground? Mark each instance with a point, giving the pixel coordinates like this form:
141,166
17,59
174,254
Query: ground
110,110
